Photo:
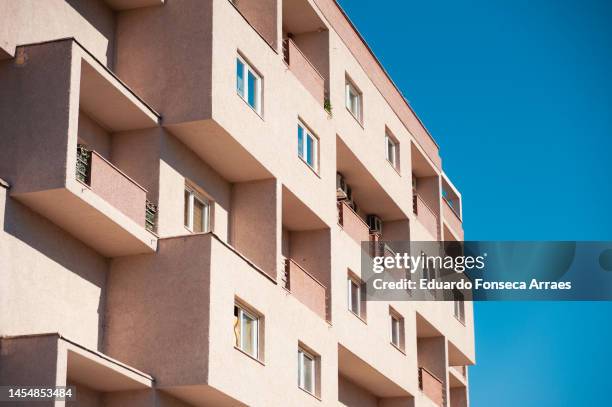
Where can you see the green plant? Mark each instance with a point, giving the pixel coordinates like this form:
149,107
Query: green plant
327,106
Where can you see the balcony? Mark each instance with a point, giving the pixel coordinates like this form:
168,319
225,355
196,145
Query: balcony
307,289
451,208
425,215
352,223
432,387
111,184
78,188
304,70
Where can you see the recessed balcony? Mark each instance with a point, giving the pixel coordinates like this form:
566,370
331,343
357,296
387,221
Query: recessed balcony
78,188
352,223
425,195
306,288
451,208
304,70
432,386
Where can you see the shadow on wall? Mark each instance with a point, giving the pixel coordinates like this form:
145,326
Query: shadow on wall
92,12
53,260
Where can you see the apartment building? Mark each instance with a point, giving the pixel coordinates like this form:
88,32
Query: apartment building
185,186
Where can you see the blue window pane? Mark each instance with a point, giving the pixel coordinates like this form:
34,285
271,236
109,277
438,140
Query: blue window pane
310,151
240,77
252,90
300,141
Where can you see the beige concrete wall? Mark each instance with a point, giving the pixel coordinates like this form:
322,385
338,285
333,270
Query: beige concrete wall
86,397
18,367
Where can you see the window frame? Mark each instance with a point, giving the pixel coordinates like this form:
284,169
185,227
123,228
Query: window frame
240,337
396,320
258,97
303,152
193,195
391,140
355,282
350,85
459,305
302,355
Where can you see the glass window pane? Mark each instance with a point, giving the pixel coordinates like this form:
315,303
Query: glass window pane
198,216
395,330
300,141
308,373
309,151
237,326
240,77
249,334
252,86
186,210
354,297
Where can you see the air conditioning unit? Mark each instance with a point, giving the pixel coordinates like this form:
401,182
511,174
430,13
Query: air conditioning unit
342,190
375,223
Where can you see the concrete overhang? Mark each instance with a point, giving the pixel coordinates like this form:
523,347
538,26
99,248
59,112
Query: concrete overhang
369,195
109,101
456,357
297,216
363,374
100,372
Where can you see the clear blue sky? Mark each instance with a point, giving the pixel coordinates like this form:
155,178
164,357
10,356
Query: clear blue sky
519,96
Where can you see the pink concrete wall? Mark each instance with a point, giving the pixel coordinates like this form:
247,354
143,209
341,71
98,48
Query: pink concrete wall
306,72
94,136
352,395
353,224
35,129
306,288
254,228
432,387
458,397
117,189
31,361
263,15
92,23
151,40
158,310
377,75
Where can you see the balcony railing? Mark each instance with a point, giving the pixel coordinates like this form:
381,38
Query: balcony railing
352,223
425,215
301,67
451,217
460,370
110,183
432,387
306,288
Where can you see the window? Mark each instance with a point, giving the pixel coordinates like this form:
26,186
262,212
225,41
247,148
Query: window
308,147
306,371
246,330
355,303
459,305
397,329
392,150
353,100
196,211
248,84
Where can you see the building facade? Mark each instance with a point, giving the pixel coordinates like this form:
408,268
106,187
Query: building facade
185,186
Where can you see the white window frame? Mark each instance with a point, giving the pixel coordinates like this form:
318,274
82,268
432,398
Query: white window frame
394,158
350,88
304,151
351,282
302,356
193,196
258,84
459,306
395,319
242,340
